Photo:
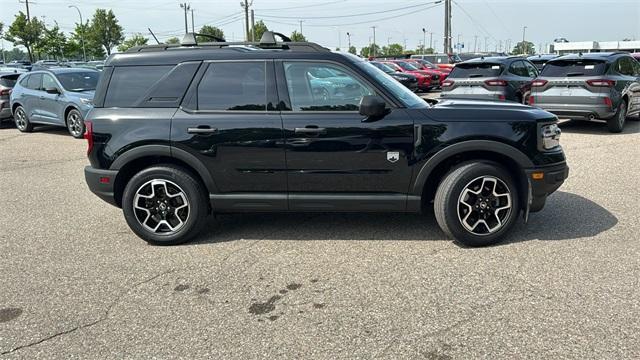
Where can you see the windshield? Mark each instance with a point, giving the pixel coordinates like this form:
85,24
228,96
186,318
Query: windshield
407,66
473,70
427,64
562,68
408,98
383,67
79,81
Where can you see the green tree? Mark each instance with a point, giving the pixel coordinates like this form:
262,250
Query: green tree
135,40
25,32
297,36
392,50
259,29
172,40
105,30
353,50
368,50
524,48
14,54
52,43
209,30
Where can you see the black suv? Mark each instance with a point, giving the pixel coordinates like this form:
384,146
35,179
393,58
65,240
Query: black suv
180,132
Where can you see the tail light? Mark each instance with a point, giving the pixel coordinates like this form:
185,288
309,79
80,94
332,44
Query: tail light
601,82
88,135
531,100
5,92
447,82
502,97
608,102
538,83
495,82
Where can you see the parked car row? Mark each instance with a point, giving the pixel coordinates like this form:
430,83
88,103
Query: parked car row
427,76
593,86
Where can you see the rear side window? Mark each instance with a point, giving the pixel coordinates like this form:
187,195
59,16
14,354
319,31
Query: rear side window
562,68
471,70
518,68
9,80
234,86
130,83
34,82
625,66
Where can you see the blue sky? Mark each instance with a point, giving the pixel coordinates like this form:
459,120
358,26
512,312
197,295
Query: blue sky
327,21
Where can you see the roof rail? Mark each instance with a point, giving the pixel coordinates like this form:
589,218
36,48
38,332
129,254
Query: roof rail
268,41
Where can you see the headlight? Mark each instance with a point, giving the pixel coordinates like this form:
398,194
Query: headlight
550,136
86,101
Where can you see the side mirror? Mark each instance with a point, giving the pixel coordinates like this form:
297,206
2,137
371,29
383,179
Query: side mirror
373,107
52,90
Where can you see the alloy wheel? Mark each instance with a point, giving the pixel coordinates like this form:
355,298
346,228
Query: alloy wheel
74,123
21,119
161,206
484,206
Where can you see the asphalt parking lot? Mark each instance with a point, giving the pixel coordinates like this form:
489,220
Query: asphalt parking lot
77,283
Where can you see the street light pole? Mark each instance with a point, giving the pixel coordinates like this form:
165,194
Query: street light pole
524,30
424,41
84,53
349,39
373,47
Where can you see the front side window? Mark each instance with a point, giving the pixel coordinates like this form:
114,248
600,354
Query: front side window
234,86
341,92
34,82
79,81
48,82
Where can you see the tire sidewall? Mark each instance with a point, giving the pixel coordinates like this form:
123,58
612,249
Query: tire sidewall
451,202
193,192
82,127
27,126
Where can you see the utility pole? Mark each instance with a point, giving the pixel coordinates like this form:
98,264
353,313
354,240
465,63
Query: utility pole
301,21
458,45
486,44
253,26
424,41
448,39
246,5
430,40
186,9
373,47
349,39
524,30
475,44
26,2
193,24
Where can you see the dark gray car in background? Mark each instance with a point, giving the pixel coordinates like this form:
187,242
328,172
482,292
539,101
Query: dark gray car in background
540,60
491,78
604,86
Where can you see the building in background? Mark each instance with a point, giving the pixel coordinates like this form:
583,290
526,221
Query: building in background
570,47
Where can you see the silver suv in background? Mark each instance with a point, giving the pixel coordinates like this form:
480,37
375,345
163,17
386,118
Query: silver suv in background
593,86
492,78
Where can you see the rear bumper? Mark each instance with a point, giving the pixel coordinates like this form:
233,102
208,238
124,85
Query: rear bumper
578,111
553,177
493,96
101,183
5,110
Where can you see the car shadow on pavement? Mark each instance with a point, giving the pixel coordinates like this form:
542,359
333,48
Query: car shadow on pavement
567,216
598,127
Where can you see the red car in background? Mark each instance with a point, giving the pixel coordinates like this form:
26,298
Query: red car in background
433,77
424,79
424,65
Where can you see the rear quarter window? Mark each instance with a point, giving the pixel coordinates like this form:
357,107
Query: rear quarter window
129,84
9,80
562,68
476,70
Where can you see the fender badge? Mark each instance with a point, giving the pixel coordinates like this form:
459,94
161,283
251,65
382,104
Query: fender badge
393,156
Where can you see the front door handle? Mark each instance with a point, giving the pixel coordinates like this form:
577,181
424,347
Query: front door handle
202,130
310,130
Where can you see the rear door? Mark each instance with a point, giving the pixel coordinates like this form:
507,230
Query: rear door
567,82
31,97
469,79
336,160
230,123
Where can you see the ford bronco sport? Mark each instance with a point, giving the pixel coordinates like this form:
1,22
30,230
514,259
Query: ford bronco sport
179,132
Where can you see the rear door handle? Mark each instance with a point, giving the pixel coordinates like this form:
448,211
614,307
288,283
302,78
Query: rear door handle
202,130
310,130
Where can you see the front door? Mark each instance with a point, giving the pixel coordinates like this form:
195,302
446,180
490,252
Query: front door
50,104
229,123
337,159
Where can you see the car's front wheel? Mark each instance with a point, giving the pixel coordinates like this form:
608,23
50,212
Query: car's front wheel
477,203
75,124
22,121
616,123
165,205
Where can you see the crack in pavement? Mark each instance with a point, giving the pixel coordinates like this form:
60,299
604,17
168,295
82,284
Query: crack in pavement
104,317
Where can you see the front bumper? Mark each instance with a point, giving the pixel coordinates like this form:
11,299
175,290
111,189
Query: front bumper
544,181
101,183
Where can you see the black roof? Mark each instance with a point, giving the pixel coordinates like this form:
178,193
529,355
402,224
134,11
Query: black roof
493,59
593,56
543,57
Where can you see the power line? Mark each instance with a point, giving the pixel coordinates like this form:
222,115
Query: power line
474,21
303,6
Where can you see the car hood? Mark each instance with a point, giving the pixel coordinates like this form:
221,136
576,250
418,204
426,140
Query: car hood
484,110
82,94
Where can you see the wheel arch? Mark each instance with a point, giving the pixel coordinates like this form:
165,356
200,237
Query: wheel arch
434,169
15,106
68,109
137,159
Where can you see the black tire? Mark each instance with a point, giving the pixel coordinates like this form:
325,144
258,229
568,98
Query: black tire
176,178
616,123
22,120
449,211
75,124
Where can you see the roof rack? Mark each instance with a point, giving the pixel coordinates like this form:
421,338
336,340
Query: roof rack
268,41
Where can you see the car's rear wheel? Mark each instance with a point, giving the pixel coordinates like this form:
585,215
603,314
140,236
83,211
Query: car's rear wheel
75,124
22,120
165,205
477,203
616,123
